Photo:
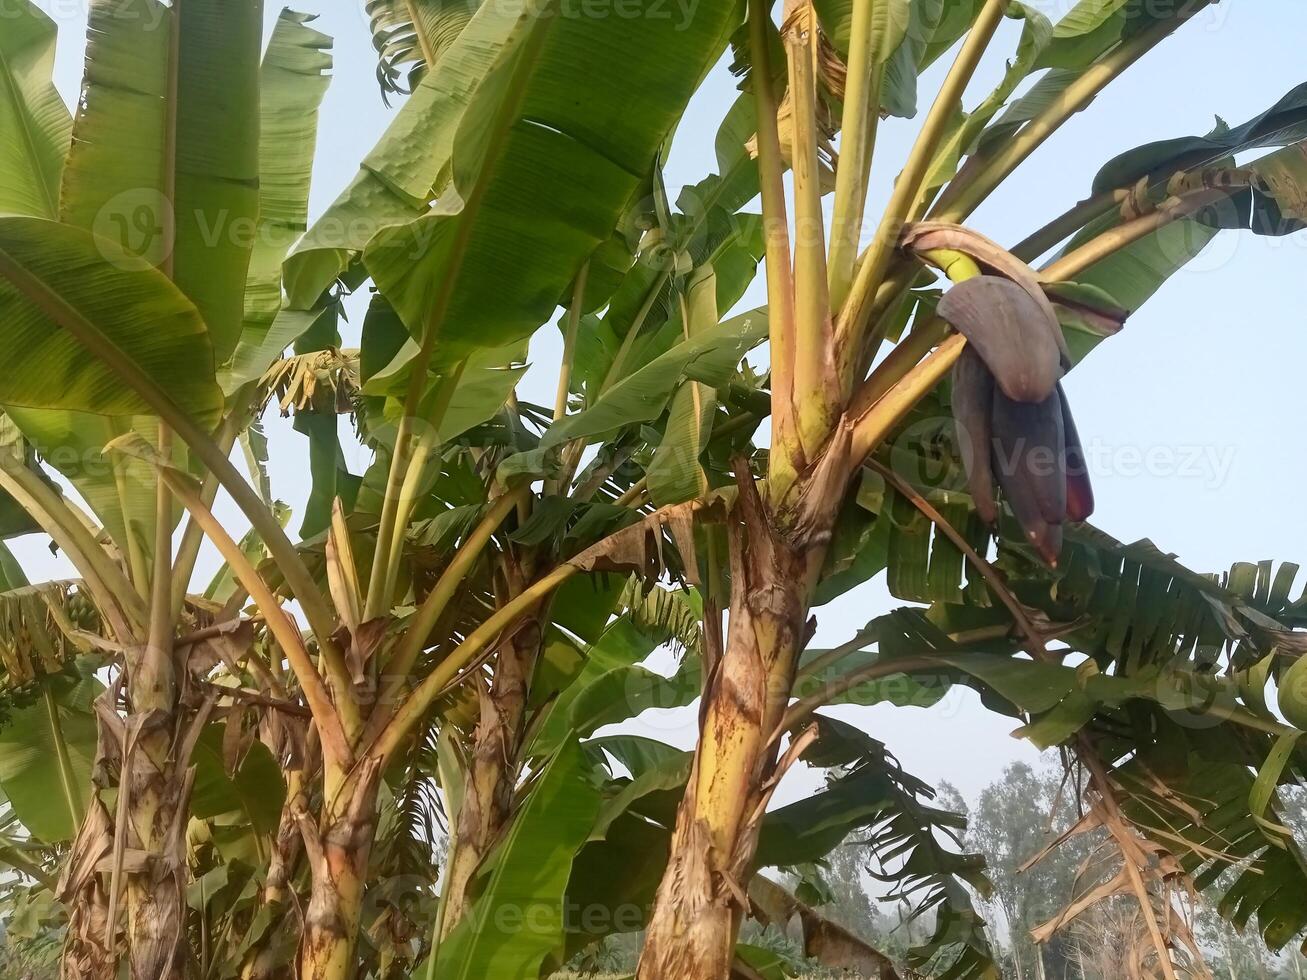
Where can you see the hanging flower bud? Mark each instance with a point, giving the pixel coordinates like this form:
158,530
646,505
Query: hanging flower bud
1011,415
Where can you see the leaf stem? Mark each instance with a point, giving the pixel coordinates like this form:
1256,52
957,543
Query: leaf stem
121,604
416,705
1064,226
857,146
152,677
817,391
854,314
279,624
780,288
569,342
874,424
434,605
188,549
497,128
966,192
1129,232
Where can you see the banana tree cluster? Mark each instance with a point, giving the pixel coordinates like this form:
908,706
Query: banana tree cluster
397,744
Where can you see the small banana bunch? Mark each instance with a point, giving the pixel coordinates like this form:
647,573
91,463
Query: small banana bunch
1013,422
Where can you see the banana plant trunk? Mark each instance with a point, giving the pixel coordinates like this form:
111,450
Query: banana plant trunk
338,847
701,901
158,796
262,961
494,766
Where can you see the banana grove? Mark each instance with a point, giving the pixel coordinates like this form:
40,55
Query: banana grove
391,742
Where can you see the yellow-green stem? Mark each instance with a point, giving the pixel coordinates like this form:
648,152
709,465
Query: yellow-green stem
874,265
416,705
569,342
188,549
780,288
1123,235
498,127
817,391
420,458
857,147
118,600
434,605
284,631
874,425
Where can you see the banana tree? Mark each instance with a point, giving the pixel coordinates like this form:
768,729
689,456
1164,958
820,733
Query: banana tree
837,404
122,278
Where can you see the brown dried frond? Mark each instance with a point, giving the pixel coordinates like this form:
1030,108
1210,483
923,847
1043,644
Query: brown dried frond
800,23
323,381
1128,870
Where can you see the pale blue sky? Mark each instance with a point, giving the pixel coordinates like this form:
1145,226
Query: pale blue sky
1189,412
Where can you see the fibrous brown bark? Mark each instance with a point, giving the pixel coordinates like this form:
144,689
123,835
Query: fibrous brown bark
88,952
494,766
338,847
702,898
156,815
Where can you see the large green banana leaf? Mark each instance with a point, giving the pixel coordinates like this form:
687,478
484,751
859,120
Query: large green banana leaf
397,178
522,885
34,122
539,177
293,81
47,749
131,126
56,278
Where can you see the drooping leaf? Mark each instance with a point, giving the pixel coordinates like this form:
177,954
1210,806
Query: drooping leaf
539,180
891,811
34,123
292,83
933,28
254,792
47,749
1282,124
56,275
890,21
